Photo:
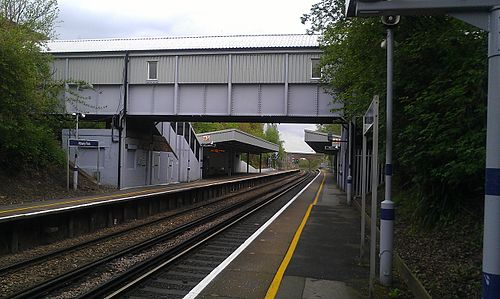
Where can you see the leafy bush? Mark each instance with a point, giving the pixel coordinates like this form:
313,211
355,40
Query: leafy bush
27,98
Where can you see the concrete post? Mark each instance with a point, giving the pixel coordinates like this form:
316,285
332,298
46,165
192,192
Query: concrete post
188,169
387,206
491,241
248,162
260,163
373,214
363,197
231,159
349,173
180,155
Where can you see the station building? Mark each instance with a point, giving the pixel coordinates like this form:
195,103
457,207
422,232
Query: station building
158,154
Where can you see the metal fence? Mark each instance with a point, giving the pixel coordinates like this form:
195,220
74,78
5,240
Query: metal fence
357,175
341,171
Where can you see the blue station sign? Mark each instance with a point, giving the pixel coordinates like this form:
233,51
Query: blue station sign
83,143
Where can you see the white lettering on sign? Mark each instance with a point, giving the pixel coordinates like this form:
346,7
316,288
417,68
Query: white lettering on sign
83,143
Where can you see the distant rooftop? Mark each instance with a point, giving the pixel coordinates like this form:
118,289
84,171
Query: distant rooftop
184,43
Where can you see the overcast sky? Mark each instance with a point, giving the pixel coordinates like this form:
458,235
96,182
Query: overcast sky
132,18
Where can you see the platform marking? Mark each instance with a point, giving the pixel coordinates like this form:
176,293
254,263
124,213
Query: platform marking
208,279
99,200
74,201
275,284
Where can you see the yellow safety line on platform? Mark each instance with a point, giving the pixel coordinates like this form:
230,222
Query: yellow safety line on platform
275,284
79,200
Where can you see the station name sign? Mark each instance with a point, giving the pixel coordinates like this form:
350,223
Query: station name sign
331,147
83,143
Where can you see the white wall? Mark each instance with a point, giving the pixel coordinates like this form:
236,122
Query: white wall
87,158
241,167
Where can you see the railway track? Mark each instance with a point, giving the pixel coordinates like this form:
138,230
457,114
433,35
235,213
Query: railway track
133,260
22,263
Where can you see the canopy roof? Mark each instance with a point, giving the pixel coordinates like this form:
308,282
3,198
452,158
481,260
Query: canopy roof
238,141
318,141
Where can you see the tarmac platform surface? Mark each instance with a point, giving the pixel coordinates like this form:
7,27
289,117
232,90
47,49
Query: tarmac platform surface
310,251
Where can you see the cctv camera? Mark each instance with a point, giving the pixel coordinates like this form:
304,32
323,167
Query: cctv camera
390,20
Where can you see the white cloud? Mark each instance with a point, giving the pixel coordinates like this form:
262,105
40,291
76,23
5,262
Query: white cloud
293,135
125,18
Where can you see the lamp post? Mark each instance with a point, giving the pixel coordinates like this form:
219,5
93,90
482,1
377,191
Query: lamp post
387,206
75,168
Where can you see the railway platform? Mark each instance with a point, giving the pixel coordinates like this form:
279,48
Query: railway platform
14,210
31,224
309,251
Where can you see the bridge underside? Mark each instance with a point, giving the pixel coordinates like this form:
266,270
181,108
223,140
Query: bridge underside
232,118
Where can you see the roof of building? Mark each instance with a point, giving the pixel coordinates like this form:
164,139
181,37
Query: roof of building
238,141
184,43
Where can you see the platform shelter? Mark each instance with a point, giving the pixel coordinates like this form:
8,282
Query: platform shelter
227,152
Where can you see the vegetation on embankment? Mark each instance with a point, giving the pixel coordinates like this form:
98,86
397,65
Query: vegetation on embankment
28,96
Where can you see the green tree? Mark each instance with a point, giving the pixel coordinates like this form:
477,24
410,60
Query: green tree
322,15
272,134
28,96
440,94
329,128
37,15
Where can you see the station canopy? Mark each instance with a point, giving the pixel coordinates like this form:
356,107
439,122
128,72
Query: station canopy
237,141
319,142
